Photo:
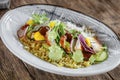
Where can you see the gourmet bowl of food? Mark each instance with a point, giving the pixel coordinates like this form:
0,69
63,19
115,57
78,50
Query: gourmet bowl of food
59,40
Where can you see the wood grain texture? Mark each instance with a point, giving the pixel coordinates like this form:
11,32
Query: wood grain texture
107,11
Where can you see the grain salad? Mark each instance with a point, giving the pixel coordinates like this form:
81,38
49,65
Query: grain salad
63,44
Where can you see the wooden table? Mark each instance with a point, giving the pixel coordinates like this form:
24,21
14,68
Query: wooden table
107,11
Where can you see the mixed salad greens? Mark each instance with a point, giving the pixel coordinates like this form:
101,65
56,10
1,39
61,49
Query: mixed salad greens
64,38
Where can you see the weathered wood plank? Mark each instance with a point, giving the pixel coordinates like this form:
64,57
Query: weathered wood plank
35,74
15,3
104,76
115,73
39,75
11,68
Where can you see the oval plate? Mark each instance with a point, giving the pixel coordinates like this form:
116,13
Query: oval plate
15,18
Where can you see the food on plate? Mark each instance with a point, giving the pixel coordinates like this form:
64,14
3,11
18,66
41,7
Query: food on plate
61,43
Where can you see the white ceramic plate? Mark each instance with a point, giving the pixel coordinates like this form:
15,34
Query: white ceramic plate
15,18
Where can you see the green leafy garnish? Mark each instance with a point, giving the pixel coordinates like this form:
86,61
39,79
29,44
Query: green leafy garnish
40,19
57,39
74,33
30,28
29,31
61,29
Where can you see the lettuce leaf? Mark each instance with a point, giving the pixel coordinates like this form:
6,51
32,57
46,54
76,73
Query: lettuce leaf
40,18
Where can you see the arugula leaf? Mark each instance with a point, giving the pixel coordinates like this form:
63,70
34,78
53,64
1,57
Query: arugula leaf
57,39
30,28
59,29
62,28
